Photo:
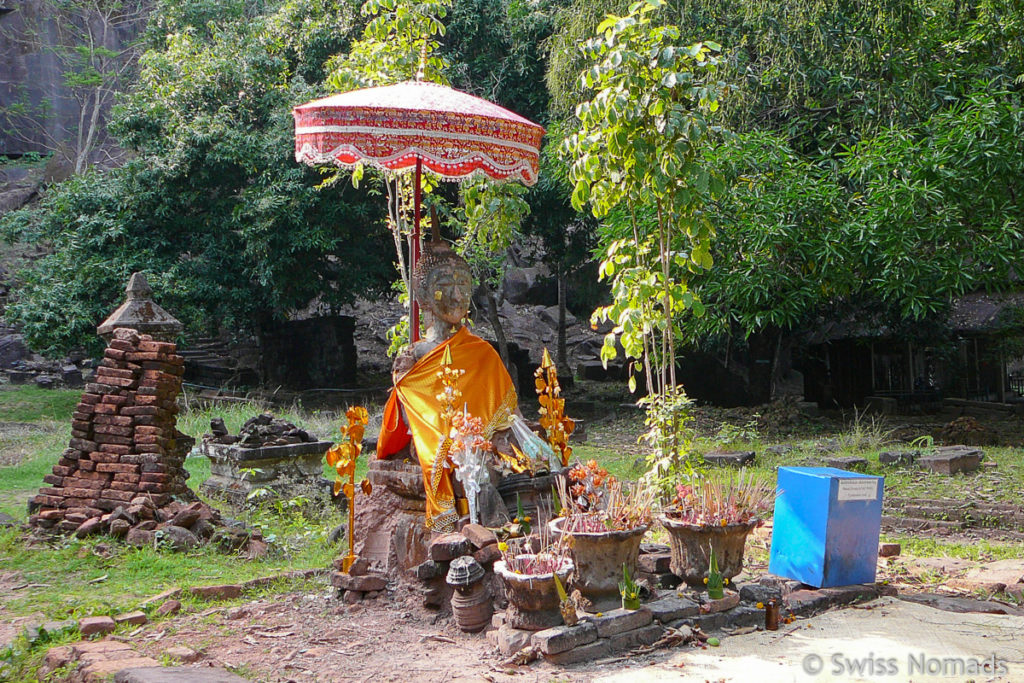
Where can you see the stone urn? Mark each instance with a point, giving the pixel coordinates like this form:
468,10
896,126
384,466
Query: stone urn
532,598
599,557
691,546
471,602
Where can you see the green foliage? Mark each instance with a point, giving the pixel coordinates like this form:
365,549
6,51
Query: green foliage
669,439
496,51
940,204
228,227
398,44
715,581
637,157
745,435
491,214
876,162
629,590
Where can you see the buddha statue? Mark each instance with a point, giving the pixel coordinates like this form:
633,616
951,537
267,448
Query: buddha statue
443,285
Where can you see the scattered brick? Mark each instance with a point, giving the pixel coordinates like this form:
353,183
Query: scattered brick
93,625
447,547
480,536
889,550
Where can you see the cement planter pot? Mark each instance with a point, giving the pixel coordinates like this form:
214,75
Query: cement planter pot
532,598
691,546
599,557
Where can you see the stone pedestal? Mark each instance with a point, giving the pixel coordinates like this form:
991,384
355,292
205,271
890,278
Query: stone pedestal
390,530
283,471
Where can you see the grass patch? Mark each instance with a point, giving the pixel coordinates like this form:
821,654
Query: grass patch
88,577
29,454
31,404
978,550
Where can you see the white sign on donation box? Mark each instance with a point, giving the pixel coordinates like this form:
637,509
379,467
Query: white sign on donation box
858,489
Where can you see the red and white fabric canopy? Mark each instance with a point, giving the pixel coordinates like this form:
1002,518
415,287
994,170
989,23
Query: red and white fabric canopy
454,134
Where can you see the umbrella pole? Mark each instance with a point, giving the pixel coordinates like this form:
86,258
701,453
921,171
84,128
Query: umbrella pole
414,255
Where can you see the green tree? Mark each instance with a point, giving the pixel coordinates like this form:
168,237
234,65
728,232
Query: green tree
637,158
233,232
868,134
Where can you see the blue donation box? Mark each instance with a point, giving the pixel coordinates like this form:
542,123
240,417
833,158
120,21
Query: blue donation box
825,531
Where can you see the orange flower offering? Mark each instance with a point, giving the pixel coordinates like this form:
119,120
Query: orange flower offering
556,425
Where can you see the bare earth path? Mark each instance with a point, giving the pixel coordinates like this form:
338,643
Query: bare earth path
311,637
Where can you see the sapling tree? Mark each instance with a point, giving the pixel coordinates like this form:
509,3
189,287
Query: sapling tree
401,42
637,160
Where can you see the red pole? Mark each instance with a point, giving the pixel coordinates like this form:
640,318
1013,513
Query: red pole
414,250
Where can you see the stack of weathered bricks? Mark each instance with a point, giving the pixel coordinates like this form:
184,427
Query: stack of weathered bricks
125,450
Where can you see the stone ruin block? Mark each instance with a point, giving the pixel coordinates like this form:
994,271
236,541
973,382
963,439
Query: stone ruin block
729,458
898,457
952,459
284,471
847,462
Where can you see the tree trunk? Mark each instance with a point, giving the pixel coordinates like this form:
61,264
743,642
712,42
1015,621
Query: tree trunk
764,349
562,353
499,331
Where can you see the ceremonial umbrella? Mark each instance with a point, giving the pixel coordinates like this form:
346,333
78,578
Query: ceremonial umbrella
417,124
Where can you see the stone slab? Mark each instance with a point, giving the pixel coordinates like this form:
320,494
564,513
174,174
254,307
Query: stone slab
136,618
221,592
654,548
447,547
1008,572
847,463
176,674
364,584
234,453
729,458
889,549
755,593
100,671
744,615
92,625
898,457
479,536
510,640
628,640
952,460
562,638
905,629
672,607
584,653
710,606
620,620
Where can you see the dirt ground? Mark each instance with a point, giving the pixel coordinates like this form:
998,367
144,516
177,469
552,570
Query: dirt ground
312,636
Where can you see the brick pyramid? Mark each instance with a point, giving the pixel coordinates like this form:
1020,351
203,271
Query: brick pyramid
125,450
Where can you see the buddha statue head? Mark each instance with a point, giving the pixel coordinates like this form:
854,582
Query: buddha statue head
443,284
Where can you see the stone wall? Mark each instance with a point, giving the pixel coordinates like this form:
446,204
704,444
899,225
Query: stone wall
309,354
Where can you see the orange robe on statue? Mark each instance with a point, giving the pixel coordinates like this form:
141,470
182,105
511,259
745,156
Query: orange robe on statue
487,393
